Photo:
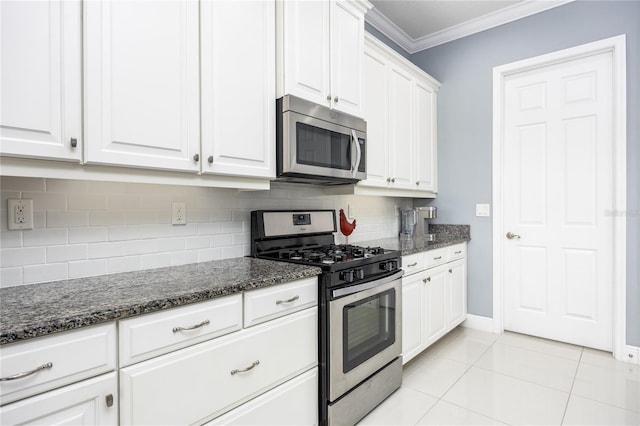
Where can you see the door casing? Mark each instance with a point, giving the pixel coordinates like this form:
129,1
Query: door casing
616,45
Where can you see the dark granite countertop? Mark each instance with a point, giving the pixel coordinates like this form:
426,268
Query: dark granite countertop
39,309
445,235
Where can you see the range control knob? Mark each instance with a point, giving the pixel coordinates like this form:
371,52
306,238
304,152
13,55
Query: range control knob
390,265
347,276
359,273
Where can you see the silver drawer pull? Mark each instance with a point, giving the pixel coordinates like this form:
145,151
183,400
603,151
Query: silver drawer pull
242,370
293,299
193,327
412,264
437,258
27,373
457,252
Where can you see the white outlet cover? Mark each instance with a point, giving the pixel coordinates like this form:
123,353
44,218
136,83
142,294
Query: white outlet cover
483,210
178,213
16,220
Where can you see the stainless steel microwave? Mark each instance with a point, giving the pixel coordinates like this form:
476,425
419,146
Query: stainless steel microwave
315,144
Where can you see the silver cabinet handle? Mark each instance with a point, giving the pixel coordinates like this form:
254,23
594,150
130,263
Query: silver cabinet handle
511,236
196,157
109,400
335,99
426,280
418,183
27,373
74,142
329,97
293,299
192,327
393,180
437,258
412,264
388,179
457,252
451,271
242,370
210,159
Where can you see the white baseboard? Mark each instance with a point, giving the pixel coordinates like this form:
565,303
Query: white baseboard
479,323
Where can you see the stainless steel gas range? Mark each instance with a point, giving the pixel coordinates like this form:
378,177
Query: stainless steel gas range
360,318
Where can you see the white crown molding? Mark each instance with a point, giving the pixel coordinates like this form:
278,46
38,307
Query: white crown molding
485,22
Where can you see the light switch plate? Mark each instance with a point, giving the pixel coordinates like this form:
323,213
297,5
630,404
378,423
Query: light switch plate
483,210
19,214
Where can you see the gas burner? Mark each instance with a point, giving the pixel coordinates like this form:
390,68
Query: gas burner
328,261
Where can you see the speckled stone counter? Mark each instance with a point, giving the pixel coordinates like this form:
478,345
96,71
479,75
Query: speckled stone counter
446,235
40,309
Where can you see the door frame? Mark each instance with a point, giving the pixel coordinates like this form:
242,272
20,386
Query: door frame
616,45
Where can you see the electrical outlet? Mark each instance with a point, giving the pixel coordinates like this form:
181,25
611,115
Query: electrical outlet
19,214
178,214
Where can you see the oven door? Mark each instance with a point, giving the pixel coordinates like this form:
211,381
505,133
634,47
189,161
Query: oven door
365,331
314,147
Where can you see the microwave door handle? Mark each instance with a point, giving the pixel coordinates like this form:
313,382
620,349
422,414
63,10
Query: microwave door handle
358,153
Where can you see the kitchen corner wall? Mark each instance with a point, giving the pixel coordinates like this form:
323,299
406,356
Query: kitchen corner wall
86,228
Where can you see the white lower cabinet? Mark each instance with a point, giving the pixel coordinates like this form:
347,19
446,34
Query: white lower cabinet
292,403
434,299
90,402
198,383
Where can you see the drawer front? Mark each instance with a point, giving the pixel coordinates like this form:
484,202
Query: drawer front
413,263
435,257
459,251
65,358
292,403
158,333
273,302
201,380
84,403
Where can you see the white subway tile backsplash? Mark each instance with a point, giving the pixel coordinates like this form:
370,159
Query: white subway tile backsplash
88,235
10,277
22,256
84,228
67,253
43,273
87,268
67,218
104,250
44,237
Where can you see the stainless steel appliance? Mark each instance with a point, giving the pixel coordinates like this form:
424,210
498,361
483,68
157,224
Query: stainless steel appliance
315,144
414,222
360,314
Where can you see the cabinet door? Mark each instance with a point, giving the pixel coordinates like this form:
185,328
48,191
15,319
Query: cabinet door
40,73
400,129
238,87
376,107
426,155
306,50
347,49
435,304
142,104
456,292
413,320
90,402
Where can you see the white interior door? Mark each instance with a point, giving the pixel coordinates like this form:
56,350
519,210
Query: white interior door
558,201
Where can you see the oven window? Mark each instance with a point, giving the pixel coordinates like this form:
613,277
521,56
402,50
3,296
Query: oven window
323,148
369,327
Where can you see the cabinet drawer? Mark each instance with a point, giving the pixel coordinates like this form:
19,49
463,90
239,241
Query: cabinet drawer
155,334
458,251
83,403
204,380
272,302
413,263
435,257
65,358
292,403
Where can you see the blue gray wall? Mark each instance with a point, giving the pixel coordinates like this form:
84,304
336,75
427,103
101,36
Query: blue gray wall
464,67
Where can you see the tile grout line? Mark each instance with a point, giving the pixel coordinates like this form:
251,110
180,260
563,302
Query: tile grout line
573,382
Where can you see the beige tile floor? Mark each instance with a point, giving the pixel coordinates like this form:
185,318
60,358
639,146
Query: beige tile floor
475,378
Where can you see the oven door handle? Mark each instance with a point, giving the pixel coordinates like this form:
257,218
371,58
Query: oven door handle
365,286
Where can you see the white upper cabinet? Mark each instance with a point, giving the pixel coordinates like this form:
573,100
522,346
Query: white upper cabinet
320,52
400,109
142,94
238,87
40,114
